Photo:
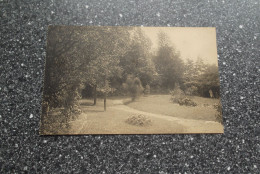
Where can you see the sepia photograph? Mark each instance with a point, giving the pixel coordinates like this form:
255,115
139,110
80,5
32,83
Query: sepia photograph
131,80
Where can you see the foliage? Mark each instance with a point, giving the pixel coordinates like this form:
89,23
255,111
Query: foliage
190,74
139,120
63,83
108,45
187,102
193,90
168,63
137,59
103,58
55,122
209,80
147,90
199,78
177,94
133,86
82,54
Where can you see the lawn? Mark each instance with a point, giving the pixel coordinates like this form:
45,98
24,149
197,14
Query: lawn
165,116
94,120
161,104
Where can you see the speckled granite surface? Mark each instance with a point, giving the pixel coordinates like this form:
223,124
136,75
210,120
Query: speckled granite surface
22,48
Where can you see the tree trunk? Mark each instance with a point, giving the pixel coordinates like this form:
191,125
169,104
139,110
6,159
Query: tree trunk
95,95
105,101
105,93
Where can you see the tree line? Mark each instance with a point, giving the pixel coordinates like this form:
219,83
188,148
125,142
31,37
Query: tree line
110,60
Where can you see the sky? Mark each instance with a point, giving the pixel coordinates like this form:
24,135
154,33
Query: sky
191,42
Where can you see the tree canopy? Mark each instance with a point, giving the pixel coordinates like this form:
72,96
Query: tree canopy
106,57
168,63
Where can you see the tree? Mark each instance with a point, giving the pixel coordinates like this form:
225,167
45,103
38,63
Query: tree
199,67
190,77
209,80
168,63
100,71
109,44
72,49
137,60
65,50
200,78
133,86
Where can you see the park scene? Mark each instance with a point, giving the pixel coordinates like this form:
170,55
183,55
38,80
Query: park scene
131,80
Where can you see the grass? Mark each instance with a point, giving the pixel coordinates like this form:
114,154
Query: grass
94,120
161,104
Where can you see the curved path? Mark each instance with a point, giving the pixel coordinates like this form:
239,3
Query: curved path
192,126
82,124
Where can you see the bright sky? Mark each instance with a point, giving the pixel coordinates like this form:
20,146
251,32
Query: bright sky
191,42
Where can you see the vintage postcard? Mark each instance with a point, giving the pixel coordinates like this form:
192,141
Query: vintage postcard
131,80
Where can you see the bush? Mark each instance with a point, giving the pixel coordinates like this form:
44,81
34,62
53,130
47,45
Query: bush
177,94
193,90
133,86
139,120
187,102
55,122
147,90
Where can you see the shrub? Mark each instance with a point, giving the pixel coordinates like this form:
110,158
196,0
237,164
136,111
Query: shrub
139,120
133,86
55,122
177,94
187,102
193,90
147,90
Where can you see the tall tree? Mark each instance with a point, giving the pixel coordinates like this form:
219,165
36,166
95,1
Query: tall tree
199,66
65,54
209,80
200,78
137,60
168,63
190,77
69,53
109,44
